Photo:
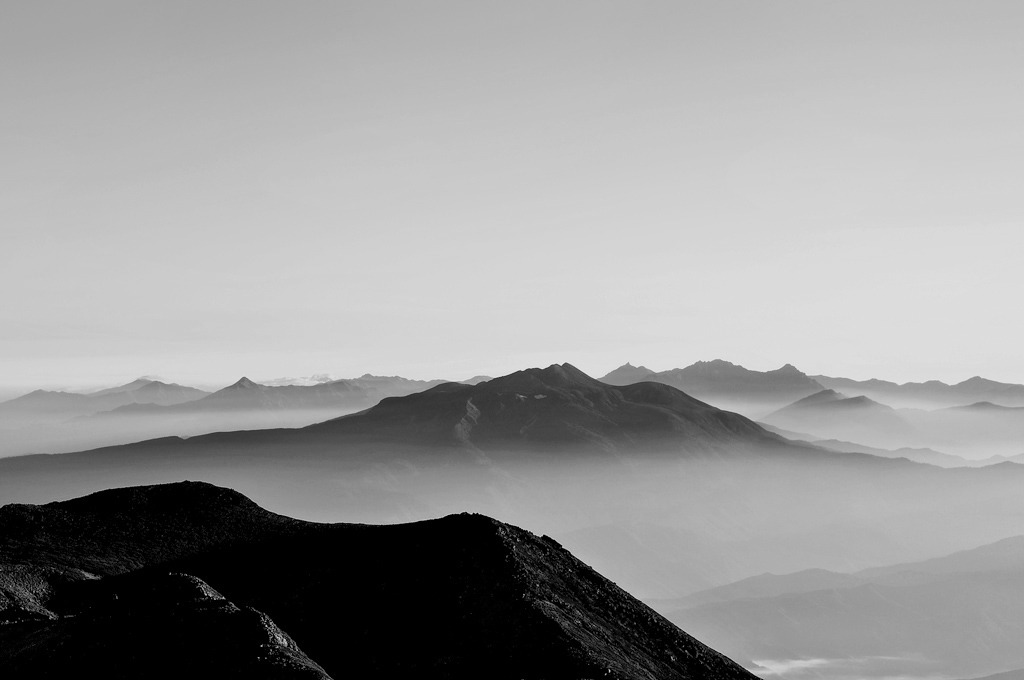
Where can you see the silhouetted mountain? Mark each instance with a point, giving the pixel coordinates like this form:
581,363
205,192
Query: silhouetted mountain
918,455
831,415
981,433
155,625
767,585
627,374
931,394
42,406
127,387
989,407
588,462
246,395
733,387
559,405
460,597
970,601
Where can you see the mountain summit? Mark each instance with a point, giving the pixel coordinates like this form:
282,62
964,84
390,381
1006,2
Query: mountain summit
728,385
555,406
627,374
456,598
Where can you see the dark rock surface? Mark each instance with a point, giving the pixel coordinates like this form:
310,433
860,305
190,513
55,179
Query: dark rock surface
128,583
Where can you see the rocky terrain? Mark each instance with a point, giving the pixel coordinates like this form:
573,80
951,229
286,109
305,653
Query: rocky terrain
194,579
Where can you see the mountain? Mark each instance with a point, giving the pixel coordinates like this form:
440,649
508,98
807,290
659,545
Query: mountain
918,455
143,569
557,406
147,409
831,415
627,374
981,433
958,613
931,394
599,467
727,385
127,387
43,406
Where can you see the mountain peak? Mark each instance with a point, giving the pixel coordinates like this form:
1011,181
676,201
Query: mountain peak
557,406
627,374
821,397
243,383
554,376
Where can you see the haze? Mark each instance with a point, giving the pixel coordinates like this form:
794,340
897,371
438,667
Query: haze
200,190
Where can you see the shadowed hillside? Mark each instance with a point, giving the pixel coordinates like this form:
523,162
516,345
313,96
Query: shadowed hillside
460,597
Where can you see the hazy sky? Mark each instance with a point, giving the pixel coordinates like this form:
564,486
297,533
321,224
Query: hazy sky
207,189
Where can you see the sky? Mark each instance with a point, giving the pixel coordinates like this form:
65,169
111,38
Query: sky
203,190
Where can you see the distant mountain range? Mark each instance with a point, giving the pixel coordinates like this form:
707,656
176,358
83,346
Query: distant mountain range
127,583
727,385
982,433
43,406
755,393
553,447
836,415
928,395
959,613
143,409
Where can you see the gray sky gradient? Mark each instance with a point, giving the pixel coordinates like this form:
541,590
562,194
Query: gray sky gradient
205,189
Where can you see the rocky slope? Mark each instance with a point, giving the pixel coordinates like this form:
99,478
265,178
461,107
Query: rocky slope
129,581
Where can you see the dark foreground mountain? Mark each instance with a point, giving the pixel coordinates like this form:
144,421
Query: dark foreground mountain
727,385
191,578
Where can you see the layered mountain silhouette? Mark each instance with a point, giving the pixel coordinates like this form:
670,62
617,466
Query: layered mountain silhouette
981,432
191,578
45,406
959,614
48,422
599,466
334,395
551,407
727,385
627,374
930,394
830,414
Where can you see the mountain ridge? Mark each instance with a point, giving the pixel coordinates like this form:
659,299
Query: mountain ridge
491,599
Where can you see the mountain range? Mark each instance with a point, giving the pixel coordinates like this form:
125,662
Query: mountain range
601,467
959,613
756,393
44,406
54,422
727,385
189,578
930,394
978,432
